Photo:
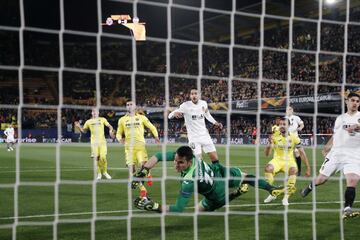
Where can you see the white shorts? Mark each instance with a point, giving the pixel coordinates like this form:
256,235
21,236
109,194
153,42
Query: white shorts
205,143
336,161
10,139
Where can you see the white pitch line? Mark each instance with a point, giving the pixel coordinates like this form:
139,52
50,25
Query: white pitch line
69,214
64,169
71,169
136,210
290,204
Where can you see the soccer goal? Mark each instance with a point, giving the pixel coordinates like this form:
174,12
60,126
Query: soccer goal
65,62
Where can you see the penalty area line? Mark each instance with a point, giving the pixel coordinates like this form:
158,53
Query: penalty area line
137,210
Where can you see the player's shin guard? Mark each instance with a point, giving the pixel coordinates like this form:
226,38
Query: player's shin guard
269,178
349,196
298,163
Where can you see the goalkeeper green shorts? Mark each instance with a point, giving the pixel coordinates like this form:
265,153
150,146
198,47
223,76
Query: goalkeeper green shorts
217,199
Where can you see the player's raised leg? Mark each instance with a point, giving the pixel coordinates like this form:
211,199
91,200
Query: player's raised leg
131,160
142,158
241,180
269,176
328,167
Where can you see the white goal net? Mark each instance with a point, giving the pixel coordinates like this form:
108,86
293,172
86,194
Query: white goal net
250,59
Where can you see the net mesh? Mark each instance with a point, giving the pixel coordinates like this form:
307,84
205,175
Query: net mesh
249,61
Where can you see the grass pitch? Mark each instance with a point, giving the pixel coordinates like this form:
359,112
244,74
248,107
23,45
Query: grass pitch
36,203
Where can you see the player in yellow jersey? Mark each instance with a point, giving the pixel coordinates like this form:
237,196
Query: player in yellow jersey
131,132
283,160
98,142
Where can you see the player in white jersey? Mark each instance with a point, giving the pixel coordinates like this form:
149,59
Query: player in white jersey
342,152
296,125
10,139
194,113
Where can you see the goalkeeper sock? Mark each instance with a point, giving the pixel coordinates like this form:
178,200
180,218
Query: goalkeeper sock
250,179
298,163
269,178
143,191
149,180
349,196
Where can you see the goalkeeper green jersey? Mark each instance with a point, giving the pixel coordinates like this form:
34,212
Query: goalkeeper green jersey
213,190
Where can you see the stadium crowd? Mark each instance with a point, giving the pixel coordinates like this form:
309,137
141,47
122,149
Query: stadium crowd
80,88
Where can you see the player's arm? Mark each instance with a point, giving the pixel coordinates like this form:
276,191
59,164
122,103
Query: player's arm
269,146
353,128
301,126
111,129
211,119
82,129
177,113
144,171
6,133
182,200
120,131
152,128
187,188
169,156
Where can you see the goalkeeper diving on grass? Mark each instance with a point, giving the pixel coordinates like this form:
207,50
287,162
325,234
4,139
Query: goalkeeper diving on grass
208,183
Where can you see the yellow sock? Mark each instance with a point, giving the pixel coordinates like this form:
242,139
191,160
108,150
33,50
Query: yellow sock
105,165
98,166
291,184
269,178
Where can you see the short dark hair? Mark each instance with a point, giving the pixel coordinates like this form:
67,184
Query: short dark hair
285,119
353,94
185,151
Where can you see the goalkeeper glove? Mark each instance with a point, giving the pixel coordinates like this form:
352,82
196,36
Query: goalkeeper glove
147,204
139,174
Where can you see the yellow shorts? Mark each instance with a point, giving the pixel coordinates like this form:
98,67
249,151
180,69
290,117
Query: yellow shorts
135,155
99,150
282,166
